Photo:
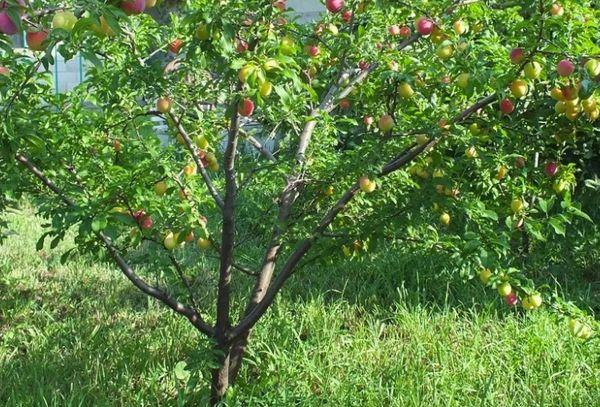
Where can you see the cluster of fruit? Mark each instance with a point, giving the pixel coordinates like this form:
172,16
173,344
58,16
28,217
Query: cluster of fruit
37,35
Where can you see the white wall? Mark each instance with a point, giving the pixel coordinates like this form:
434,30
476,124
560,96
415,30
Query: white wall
308,9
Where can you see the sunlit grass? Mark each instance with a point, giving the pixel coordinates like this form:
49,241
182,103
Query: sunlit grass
372,333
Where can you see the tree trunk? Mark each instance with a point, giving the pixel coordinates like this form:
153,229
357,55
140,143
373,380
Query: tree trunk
238,349
220,376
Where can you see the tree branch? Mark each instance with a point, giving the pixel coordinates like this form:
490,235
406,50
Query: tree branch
188,142
228,232
254,314
192,315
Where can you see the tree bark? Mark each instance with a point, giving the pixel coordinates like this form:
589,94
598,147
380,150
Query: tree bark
220,376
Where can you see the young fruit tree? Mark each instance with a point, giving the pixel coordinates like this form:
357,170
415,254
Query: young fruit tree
215,148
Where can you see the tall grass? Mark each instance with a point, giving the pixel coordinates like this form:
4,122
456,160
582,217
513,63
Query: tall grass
383,331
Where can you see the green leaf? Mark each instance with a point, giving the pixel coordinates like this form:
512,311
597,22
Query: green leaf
558,225
578,212
180,372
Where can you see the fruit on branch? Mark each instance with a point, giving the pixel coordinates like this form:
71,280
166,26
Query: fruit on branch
312,50
175,46
551,169
517,205
532,301
190,170
245,72
204,244
265,89
557,10
471,152
511,299
484,275
189,237
570,92
164,105
213,164
368,120
593,115
345,104
445,52
393,66
386,123
519,88
334,6
474,129
241,46
504,289
517,55
421,139
347,16
146,222
394,30
405,91
589,104
143,220
507,106
287,46
160,188
363,65
203,32
329,190
150,3
560,107
117,146
445,219
4,71
592,66
366,185
170,241
459,27
270,64
462,80
532,70
246,107
64,20
565,68
132,7
405,31
7,25
557,94
35,40
437,35
280,5
502,171
424,26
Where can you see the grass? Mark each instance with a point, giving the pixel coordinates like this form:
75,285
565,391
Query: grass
356,334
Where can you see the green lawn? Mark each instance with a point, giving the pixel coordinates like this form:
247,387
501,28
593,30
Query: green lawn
358,334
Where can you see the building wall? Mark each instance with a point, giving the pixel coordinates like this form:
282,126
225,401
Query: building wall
308,9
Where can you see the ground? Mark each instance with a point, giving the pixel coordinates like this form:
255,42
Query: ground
370,333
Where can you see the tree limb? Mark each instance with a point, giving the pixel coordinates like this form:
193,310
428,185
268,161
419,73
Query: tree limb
188,142
192,315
